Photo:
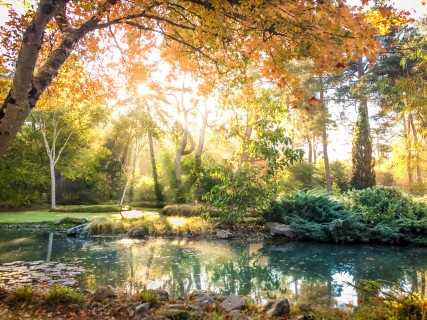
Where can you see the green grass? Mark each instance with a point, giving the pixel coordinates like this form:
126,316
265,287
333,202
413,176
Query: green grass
44,216
39,216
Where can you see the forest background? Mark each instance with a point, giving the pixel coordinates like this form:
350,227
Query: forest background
118,126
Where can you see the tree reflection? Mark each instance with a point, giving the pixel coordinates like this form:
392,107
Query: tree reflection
301,272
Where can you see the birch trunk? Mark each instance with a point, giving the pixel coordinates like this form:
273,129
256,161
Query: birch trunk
52,186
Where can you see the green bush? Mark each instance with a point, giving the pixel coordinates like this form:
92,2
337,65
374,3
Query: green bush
64,295
151,297
316,216
379,214
21,294
384,204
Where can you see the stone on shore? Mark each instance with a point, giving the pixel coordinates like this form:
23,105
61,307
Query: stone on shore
277,308
281,229
233,302
223,234
137,233
202,301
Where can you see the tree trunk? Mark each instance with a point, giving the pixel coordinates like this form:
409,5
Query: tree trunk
122,200
202,132
325,138
27,87
52,186
314,150
310,149
157,187
310,161
415,148
364,100
408,151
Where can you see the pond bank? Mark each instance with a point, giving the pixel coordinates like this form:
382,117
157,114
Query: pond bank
108,303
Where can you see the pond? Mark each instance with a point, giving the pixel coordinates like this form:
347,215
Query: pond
324,274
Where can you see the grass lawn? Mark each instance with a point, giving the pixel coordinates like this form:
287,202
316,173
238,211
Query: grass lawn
39,216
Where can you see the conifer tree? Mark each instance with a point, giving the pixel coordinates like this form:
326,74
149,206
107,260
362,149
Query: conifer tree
363,175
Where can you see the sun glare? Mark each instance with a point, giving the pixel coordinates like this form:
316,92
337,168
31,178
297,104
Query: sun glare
177,222
143,89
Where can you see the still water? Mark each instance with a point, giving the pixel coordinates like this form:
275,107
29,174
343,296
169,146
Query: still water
323,274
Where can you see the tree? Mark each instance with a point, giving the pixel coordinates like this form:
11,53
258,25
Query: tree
207,36
24,172
362,175
69,131
261,146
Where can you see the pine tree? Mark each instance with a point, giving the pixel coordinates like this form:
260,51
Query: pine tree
363,175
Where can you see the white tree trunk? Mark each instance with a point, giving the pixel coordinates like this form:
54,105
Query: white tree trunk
52,186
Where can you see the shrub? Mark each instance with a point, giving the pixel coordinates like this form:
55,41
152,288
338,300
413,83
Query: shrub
190,210
316,216
22,294
59,294
384,204
151,297
378,214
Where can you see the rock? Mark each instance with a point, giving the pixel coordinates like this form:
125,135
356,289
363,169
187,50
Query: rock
281,229
77,230
84,234
103,293
202,301
141,310
223,234
198,315
137,233
237,315
277,308
174,314
233,302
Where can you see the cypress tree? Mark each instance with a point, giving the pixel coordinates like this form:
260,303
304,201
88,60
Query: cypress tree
363,175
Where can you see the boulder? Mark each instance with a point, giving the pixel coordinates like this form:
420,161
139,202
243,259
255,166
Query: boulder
223,234
237,315
77,230
277,308
233,302
281,229
137,233
141,310
103,293
202,301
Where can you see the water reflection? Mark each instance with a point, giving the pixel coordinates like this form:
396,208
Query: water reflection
304,273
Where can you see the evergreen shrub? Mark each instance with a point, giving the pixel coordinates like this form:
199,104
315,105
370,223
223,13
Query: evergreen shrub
377,214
